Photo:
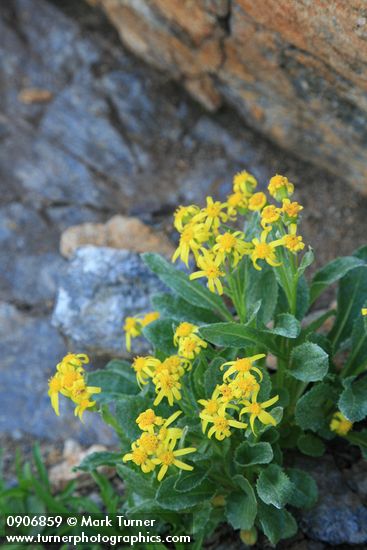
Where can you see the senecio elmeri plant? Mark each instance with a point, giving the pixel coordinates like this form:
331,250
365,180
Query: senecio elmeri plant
240,374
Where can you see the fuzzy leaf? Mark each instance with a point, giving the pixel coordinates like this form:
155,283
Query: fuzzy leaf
137,482
238,336
310,445
276,524
309,362
331,273
188,480
353,400
104,458
352,295
312,407
304,494
180,310
259,453
160,335
273,486
179,282
169,498
241,506
127,410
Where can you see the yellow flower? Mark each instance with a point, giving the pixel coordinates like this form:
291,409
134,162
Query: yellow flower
292,241
236,201
183,330
270,214
149,442
144,368
55,387
81,395
256,410
221,424
69,381
244,182
257,201
211,408
209,268
167,385
149,318
265,251
166,434
212,215
190,346
176,365
364,310
140,457
183,215
192,237
280,187
225,391
242,366
340,425
243,387
147,420
231,245
167,457
291,209
132,329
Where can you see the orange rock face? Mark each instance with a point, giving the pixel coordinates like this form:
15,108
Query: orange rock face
295,70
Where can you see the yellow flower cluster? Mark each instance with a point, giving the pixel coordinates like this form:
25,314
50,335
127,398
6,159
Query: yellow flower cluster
156,445
166,374
69,380
134,325
340,425
216,248
239,391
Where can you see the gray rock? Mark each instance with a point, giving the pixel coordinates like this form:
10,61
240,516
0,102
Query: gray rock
30,349
340,516
101,287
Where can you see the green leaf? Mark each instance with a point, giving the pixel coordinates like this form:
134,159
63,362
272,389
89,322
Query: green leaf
357,360
180,310
137,482
160,335
104,458
310,445
213,376
169,498
353,400
359,439
127,410
352,295
307,260
179,282
241,506
303,298
331,273
238,335
259,453
276,524
309,362
287,325
188,480
273,486
115,380
304,494
201,517
262,286
312,408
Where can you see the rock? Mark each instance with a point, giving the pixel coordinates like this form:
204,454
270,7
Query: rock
73,454
119,232
101,287
296,71
30,348
357,479
339,517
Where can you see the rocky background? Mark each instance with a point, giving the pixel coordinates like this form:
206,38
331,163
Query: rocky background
97,149
295,70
